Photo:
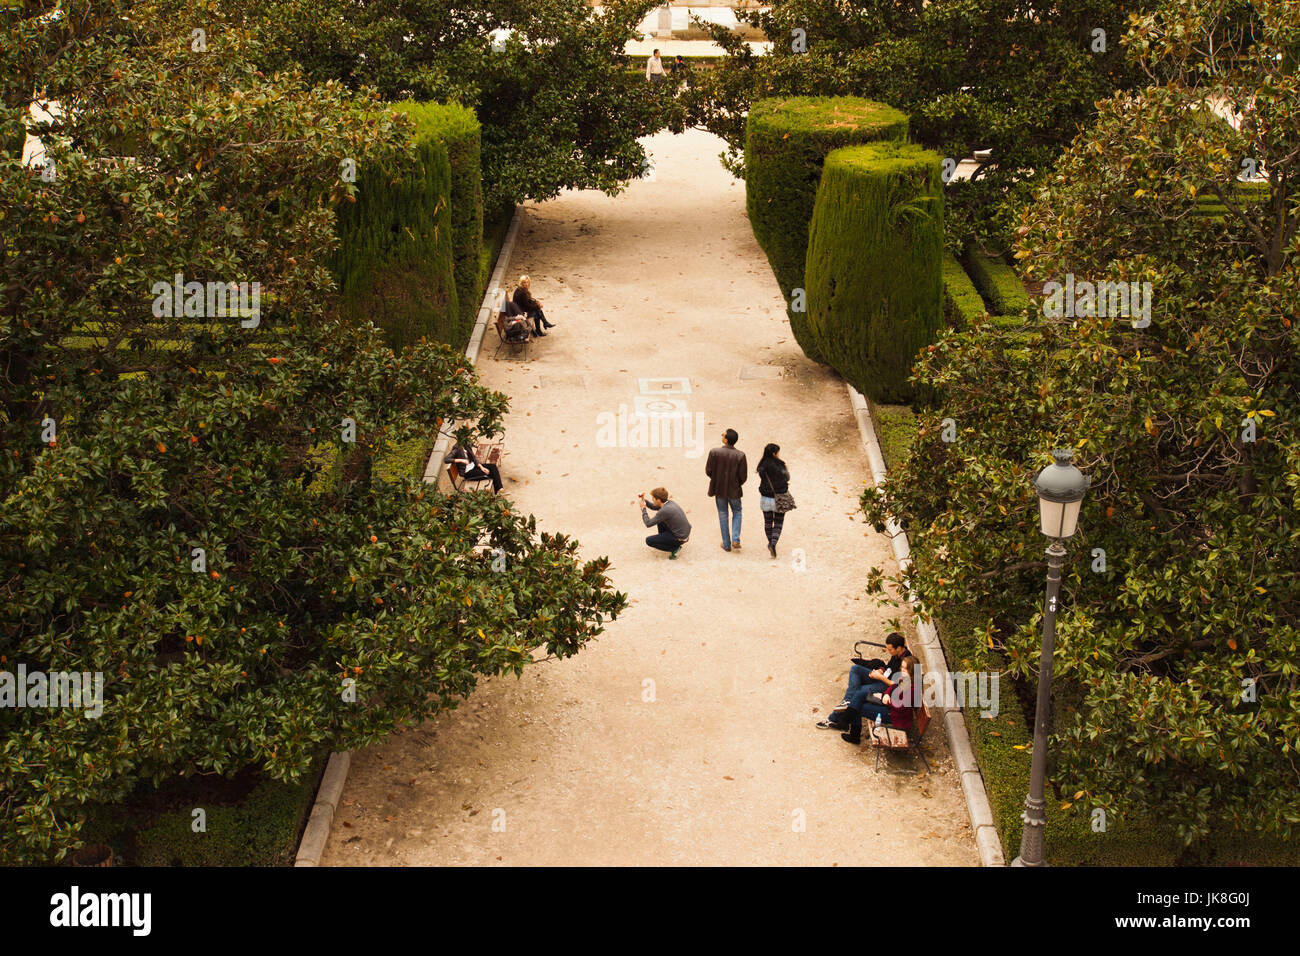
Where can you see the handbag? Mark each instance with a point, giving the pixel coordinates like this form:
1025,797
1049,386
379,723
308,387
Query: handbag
784,502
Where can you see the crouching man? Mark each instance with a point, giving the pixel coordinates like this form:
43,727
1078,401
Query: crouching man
674,529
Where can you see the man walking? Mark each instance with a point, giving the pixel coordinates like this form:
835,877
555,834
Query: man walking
726,468
674,529
654,68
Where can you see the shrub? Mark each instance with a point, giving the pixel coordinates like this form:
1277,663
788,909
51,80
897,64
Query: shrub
962,305
458,129
874,266
997,282
395,261
786,142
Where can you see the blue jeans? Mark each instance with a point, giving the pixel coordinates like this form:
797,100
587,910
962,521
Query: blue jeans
860,690
723,504
664,541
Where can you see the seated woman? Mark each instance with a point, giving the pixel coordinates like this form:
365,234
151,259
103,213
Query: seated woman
867,687
523,298
893,706
462,456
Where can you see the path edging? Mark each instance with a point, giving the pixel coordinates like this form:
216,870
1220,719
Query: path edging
987,840
317,833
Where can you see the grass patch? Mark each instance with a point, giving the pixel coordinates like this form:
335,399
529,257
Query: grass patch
249,820
896,430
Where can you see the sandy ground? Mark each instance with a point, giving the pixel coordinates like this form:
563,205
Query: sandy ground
685,734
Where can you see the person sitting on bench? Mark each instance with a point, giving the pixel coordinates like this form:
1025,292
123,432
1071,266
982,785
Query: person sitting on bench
892,707
463,457
516,326
866,684
524,300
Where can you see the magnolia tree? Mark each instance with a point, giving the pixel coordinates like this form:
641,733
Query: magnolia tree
1176,655
558,108
201,568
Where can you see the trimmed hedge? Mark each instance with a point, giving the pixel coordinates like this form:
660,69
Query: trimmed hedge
786,143
261,830
997,283
459,130
874,269
395,261
962,305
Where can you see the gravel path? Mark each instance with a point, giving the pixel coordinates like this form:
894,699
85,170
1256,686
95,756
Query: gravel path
574,763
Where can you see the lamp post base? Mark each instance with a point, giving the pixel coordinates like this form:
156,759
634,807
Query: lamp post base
1018,861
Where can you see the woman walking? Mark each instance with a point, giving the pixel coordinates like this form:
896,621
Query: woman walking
774,493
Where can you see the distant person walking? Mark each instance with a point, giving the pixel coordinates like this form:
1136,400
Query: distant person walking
774,493
727,470
523,299
674,529
654,68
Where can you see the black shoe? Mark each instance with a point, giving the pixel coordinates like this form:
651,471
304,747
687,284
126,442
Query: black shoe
540,335
771,549
853,738
831,725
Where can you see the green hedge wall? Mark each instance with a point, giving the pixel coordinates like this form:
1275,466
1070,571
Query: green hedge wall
962,305
786,143
874,268
997,282
395,261
459,130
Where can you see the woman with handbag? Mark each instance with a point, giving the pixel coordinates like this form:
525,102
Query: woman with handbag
774,494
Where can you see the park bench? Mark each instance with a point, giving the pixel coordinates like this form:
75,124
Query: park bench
516,337
487,454
885,738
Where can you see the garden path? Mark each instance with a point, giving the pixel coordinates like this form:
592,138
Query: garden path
572,764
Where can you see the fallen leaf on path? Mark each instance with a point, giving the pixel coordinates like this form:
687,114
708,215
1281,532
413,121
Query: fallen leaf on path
728,778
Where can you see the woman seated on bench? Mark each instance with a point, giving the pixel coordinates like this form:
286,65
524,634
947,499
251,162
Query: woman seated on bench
523,299
462,456
892,706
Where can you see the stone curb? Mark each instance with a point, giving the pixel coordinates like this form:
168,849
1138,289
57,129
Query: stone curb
954,724
317,833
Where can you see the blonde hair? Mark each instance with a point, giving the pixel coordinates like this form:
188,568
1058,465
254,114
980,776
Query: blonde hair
523,279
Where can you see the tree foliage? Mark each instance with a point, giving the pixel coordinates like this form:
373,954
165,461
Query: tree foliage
557,106
318,612
1178,639
1004,75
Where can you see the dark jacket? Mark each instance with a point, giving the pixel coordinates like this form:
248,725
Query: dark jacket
524,300
460,451
773,478
727,471
670,518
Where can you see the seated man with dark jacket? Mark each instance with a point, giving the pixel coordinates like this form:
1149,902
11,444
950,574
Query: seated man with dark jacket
674,529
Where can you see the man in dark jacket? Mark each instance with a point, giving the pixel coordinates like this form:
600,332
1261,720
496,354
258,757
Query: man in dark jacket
727,470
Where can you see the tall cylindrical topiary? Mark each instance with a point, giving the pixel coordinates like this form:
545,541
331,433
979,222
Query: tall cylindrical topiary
395,261
458,129
786,142
874,269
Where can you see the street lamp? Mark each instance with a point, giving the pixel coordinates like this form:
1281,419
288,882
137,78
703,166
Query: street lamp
1061,488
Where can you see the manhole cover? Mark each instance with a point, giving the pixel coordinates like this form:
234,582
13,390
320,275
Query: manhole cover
552,381
664,386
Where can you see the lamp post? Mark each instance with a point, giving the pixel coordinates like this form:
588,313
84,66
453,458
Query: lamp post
1061,488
